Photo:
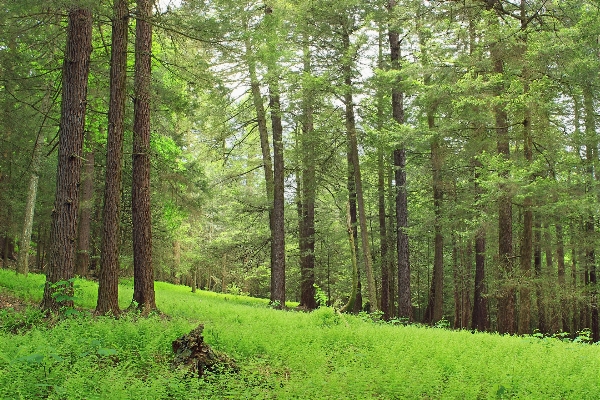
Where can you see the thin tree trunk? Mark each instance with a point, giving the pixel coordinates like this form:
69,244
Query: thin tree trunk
72,123
537,266
480,321
308,192
591,160
143,272
562,284
404,296
278,240
353,148
385,296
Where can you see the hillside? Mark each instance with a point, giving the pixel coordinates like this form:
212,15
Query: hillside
281,355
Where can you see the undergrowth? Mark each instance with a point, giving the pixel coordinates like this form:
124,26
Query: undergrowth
281,355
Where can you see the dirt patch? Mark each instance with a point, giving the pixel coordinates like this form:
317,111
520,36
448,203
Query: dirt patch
8,301
192,353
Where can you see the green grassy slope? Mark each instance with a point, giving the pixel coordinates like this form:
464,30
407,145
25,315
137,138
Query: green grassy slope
282,355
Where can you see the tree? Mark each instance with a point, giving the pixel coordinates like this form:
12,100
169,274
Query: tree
399,156
143,275
73,109
108,282
308,187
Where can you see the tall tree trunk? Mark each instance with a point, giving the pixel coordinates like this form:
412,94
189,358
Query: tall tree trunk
143,273
72,123
506,297
593,175
537,267
308,191
353,147
261,119
385,296
562,284
85,213
108,279
435,307
524,324
480,319
278,240
404,297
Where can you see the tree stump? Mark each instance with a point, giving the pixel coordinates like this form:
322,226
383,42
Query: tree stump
193,353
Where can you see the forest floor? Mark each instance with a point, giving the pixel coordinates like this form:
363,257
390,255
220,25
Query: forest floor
278,355
8,301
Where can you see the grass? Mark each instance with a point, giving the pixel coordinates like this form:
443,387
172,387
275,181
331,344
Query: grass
282,355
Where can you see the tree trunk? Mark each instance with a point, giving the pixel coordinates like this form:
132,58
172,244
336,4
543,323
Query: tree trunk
278,240
72,123
537,267
308,192
591,160
108,278
353,149
143,273
85,213
385,296
506,297
480,320
404,296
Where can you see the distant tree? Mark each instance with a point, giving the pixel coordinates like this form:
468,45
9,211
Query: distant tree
76,66
143,274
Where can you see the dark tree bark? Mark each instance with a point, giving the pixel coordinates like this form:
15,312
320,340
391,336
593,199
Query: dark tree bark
480,317
560,260
307,195
72,123
506,296
404,296
537,267
85,214
385,296
435,307
108,282
143,273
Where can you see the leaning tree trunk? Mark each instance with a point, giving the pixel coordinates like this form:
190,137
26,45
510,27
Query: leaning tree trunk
72,123
143,273
353,148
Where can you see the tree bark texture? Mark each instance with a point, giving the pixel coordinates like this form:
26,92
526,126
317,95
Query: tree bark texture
143,274
506,296
307,195
63,232
404,296
86,205
108,281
